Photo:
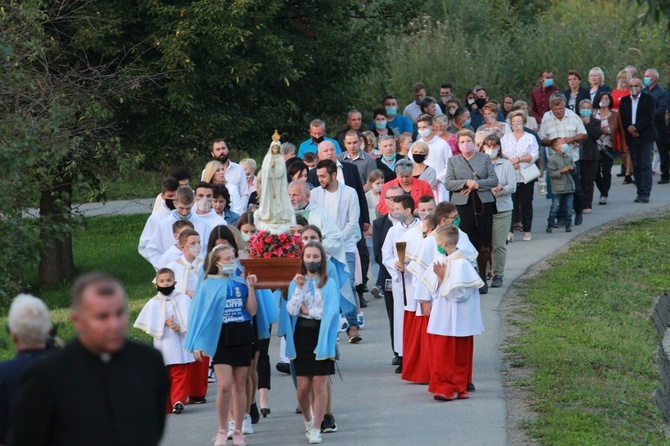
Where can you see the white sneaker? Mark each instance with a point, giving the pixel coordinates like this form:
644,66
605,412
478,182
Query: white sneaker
231,429
247,428
343,324
360,320
211,378
308,428
314,436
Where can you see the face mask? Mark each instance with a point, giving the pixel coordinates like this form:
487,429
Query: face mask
169,202
389,158
376,188
635,89
466,147
399,215
451,111
227,269
490,119
391,111
380,125
183,217
418,101
646,81
548,83
223,158
425,133
585,113
312,267
203,204
245,237
518,125
362,148
467,123
318,140
250,176
441,250
604,103
471,101
565,148
166,290
493,153
195,249
457,221
422,215
419,158
480,103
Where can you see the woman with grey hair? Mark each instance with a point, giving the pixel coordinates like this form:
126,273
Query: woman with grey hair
421,171
470,178
410,185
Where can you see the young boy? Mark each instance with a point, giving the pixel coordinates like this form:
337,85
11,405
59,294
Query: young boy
560,166
174,252
454,317
165,318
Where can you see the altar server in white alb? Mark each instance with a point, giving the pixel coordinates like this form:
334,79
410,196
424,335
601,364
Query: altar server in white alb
455,317
187,267
165,318
403,212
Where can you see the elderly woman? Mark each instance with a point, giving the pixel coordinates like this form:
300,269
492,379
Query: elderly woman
597,81
589,155
531,122
522,150
370,144
249,165
504,206
215,174
422,171
388,159
412,186
611,143
491,125
440,125
470,179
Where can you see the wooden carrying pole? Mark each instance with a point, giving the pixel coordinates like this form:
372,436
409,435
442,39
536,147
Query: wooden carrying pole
401,247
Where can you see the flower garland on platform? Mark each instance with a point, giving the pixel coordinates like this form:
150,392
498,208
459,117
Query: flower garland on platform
268,245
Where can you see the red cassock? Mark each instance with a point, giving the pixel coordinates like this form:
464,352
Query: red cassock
450,363
415,360
178,374
197,378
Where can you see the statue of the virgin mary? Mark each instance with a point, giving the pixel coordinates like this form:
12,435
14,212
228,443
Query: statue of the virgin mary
275,213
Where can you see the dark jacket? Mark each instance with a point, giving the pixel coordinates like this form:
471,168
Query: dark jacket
644,123
581,95
380,227
588,147
389,175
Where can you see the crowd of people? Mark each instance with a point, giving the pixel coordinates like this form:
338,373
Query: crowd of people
417,210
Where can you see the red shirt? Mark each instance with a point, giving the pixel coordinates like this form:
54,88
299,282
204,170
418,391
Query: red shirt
616,97
418,189
539,101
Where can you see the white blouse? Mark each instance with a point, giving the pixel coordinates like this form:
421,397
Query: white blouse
310,295
526,145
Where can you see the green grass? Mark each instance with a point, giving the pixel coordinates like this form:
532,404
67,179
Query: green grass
106,244
588,339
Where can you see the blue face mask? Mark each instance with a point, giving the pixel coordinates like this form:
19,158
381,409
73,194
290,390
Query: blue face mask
467,123
646,81
389,158
565,148
585,113
548,83
391,111
380,125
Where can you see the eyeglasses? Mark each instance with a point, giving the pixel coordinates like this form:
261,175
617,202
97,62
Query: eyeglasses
391,198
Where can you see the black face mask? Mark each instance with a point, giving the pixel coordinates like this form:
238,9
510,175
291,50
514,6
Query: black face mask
480,103
313,267
169,202
167,290
318,140
419,158
223,158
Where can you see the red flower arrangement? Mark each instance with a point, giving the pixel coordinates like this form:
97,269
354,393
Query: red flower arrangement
268,245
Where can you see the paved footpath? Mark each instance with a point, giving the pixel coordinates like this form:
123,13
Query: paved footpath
371,404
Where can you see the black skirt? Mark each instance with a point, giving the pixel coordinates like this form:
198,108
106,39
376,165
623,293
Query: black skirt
234,347
305,337
477,220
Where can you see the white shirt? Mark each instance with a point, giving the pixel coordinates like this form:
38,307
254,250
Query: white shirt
312,300
149,228
163,238
634,102
413,111
185,273
439,153
571,125
213,218
526,145
346,214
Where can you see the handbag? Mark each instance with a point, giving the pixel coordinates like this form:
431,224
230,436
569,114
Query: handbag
530,174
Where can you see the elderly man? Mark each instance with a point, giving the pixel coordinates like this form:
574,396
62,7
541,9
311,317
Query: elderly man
563,123
637,116
99,389
354,155
386,163
409,185
288,152
354,121
660,107
234,173
29,325
317,133
413,109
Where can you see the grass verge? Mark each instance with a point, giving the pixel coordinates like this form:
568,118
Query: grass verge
585,341
106,244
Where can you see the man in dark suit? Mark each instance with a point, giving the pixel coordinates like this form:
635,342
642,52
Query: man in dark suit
637,117
99,389
348,173
380,227
29,326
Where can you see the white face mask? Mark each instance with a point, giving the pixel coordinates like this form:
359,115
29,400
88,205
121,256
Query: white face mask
425,133
376,188
203,204
493,153
195,250
227,269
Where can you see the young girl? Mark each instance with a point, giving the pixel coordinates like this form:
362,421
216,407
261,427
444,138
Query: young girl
220,327
315,306
376,181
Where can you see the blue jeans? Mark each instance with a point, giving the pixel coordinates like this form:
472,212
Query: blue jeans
640,154
564,203
351,263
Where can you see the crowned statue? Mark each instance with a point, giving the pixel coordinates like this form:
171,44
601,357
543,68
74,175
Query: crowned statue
275,213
